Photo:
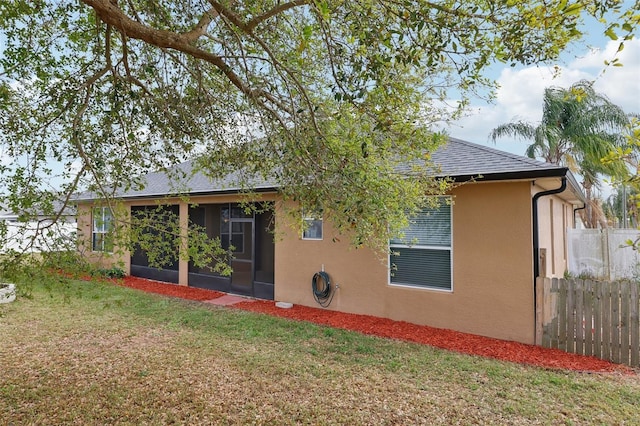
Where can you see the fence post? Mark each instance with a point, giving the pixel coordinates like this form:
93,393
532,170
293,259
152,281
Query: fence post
562,310
605,288
605,254
579,313
625,300
615,321
555,310
571,317
588,317
540,288
635,325
597,320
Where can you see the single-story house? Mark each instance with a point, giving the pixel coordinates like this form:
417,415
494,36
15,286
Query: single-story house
470,268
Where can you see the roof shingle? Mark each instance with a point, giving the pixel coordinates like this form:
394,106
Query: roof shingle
458,159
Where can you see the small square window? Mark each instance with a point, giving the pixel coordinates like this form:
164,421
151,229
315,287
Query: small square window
312,227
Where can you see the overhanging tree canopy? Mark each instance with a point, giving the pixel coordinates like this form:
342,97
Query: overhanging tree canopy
326,96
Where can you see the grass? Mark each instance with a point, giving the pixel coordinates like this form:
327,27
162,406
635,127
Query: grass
111,355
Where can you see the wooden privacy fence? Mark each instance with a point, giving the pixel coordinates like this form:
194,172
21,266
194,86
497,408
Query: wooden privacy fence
587,317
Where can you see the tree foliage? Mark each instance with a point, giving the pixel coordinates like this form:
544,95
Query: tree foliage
625,201
328,98
621,207
156,231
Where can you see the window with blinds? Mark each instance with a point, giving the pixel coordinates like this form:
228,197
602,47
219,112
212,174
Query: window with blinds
423,256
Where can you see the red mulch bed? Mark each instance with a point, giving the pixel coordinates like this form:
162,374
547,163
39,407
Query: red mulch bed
437,337
183,292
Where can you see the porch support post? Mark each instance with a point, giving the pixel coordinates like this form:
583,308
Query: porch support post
183,262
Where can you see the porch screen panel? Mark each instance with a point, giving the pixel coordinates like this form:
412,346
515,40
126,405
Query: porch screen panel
423,256
139,257
265,248
206,216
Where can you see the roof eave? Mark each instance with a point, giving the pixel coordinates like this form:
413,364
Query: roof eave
559,172
228,191
516,175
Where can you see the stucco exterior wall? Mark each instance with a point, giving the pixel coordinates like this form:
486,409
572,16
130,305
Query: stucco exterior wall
555,216
492,257
492,269
117,258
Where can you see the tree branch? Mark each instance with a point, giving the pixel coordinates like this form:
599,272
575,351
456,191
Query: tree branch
275,11
111,14
201,27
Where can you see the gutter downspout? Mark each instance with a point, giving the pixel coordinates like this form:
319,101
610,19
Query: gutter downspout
584,206
536,236
536,244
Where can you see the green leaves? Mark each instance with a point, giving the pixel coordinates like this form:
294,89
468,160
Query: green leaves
157,234
610,32
101,93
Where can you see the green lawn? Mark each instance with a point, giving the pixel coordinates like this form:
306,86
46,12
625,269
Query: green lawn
111,355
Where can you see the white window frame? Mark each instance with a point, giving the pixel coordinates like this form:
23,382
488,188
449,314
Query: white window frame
449,248
309,219
101,226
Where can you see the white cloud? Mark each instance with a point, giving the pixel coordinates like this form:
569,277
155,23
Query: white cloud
620,84
521,91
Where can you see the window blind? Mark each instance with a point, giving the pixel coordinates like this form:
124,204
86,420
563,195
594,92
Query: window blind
421,267
422,257
431,227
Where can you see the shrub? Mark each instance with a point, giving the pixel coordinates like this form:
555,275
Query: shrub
113,272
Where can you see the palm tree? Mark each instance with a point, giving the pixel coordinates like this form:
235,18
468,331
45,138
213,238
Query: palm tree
579,127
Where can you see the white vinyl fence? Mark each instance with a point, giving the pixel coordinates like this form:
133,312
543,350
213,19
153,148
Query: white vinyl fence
603,253
59,236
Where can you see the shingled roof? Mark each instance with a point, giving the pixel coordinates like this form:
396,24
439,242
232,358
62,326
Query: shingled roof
464,160
185,181
458,159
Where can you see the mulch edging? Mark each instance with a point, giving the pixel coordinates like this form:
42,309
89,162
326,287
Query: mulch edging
383,327
167,289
